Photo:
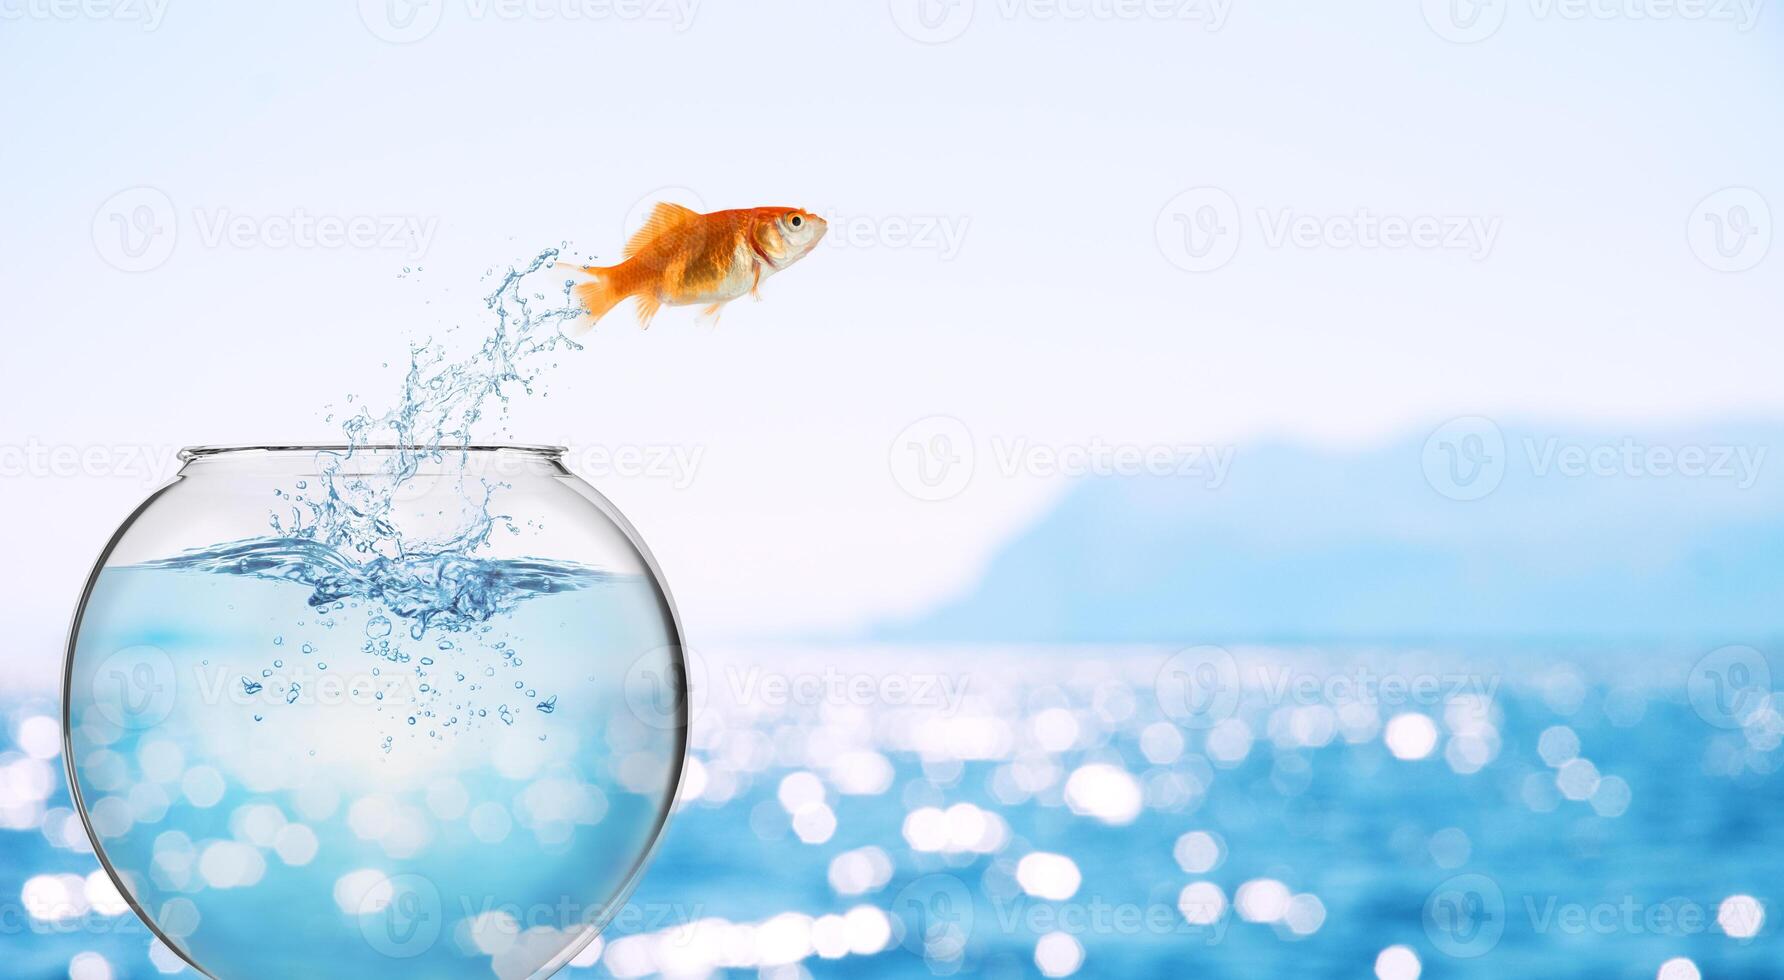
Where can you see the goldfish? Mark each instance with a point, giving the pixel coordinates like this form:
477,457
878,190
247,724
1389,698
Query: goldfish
682,257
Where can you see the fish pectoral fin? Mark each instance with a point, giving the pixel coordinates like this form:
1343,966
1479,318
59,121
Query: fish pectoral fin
648,304
709,317
756,287
664,219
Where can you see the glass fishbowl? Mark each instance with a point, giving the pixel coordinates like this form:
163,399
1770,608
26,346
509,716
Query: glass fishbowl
375,711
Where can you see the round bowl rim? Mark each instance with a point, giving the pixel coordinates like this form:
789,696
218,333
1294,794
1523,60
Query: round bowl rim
190,453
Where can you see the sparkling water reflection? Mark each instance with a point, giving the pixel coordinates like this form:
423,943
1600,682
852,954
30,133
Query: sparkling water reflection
1091,813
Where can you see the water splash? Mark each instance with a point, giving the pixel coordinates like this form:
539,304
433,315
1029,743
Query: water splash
447,589
367,553
441,402
347,540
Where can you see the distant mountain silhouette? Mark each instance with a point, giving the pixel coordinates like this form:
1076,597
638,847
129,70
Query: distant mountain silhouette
1577,533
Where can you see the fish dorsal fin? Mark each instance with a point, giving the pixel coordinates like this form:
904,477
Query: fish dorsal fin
664,218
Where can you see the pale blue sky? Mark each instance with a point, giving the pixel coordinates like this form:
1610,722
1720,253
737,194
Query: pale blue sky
1048,146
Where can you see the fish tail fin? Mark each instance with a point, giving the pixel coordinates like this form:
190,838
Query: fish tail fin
600,294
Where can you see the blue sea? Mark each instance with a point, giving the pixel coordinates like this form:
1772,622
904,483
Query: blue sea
1563,809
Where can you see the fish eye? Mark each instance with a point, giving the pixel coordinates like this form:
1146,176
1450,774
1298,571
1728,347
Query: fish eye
797,221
